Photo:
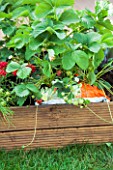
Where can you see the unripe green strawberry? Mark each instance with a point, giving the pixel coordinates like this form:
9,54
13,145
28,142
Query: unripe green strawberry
81,101
75,103
33,96
1,90
7,93
3,103
69,73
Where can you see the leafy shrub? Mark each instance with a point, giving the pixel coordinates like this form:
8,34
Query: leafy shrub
48,45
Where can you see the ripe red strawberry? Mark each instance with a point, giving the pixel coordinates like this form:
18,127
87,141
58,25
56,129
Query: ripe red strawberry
76,75
58,72
39,101
14,73
32,67
2,72
3,64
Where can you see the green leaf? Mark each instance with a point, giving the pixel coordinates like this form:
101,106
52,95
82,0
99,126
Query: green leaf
19,40
38,30
88,21
5,53
68,61
4,15
21,11
81,59
32,88
21,90
63,2
107,40
103,14
41,27
69,17
98,58
12,67
24,72
35,43
101,5
93,37
92,77
58,26
8,30
107,24
1,1
56,62
4,6
21,101
81,38
42,10
31,2
59,49
47,68
60,35
94,47
29,53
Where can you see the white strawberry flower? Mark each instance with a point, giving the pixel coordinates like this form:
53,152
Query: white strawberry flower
51,54
76,79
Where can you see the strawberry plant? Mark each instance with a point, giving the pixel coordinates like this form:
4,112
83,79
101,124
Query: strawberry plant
49,45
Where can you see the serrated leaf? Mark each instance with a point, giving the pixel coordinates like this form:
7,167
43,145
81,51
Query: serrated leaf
32,88
107,24
81,38
19,43
31,2
69,17
29,53
60,35
107,40
101,5
81,59
21,90
21,101
59,49
24,72
63,2
91,77
20,11
94,47
88,21
98,58
58,26
3,15
47,68
19,40
35,43
42,10
12,67
5,53
1,1
106,36
103,14
8,30
93,37
68,61
41,28
56,62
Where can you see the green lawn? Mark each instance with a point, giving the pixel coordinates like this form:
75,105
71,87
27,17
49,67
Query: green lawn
77,157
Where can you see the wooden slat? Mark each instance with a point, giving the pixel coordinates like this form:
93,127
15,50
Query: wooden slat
54,116
57,137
